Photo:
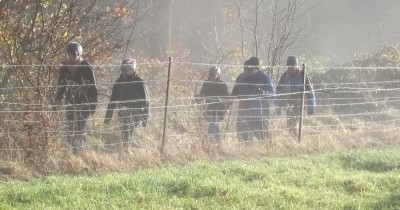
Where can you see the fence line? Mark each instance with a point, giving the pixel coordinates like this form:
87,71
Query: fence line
374,106
182,63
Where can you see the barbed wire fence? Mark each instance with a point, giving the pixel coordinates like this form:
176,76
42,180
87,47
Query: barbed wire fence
352,102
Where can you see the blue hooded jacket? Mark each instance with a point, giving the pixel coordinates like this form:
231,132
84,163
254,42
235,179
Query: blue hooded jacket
258,83
253,90
292,85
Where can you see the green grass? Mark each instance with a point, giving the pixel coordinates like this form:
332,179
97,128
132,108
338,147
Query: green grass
364,179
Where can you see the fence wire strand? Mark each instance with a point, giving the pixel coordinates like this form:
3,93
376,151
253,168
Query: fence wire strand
347,108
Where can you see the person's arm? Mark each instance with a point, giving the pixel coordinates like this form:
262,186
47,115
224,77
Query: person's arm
146,105
198,96
141,92
146,110
112,104
311,101
91,88
281,84
268,86
61,85
203,90
235,90
279,99
89,73
225,95
225,91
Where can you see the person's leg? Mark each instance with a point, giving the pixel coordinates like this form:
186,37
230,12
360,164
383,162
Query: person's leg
267,134
135,119
71,124
219,118
293,119
296,118
253,119
77,117
213,129
82,117
74,121
217,133
266,110
259,112
124,119
259,129
242,126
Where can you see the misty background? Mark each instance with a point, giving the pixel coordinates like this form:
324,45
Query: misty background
340,28
333,29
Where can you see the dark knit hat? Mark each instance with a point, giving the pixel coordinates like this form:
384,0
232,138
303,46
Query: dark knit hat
74,47
129,62
253,61
292,61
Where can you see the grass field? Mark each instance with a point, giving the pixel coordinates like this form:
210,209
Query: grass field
361,179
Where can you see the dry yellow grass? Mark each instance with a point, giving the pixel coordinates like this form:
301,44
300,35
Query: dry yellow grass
96,161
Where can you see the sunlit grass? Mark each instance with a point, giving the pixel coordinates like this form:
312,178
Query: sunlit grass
365,179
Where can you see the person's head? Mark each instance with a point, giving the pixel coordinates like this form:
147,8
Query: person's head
251,66
292,63
128,66
214,73
74,51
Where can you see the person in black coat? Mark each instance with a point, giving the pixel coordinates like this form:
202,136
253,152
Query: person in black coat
76,83
216,94
129,95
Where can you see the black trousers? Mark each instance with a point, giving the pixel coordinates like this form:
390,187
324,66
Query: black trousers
77,116
129,119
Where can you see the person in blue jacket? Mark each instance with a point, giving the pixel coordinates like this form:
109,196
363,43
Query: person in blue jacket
253,89
289,94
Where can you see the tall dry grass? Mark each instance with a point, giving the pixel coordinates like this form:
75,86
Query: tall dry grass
94,161
35,150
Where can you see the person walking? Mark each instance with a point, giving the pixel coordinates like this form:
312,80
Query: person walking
253,89
130,97
76,84
289,94
216,95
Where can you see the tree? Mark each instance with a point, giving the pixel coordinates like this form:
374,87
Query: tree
33,36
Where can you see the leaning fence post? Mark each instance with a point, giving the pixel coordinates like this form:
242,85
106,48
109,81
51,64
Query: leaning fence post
302,102
166,106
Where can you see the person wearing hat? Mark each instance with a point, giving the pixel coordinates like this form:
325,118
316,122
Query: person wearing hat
76,84
216,95
129,95
289,91
253,88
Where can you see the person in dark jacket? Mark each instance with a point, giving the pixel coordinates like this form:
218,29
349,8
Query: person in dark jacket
77,85
252,88
289,91
129,95
216,94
